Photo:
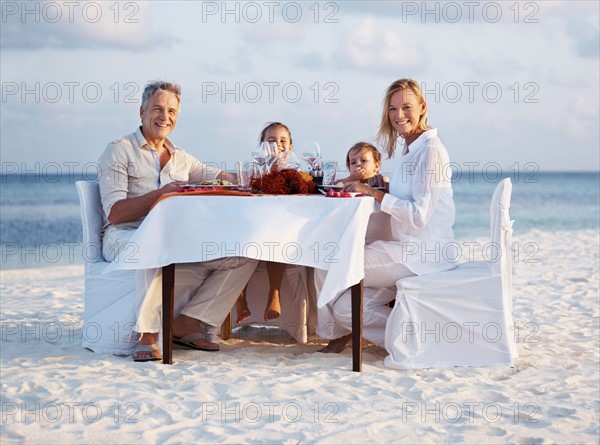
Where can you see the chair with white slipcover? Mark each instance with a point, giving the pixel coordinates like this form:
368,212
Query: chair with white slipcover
109,311
463,316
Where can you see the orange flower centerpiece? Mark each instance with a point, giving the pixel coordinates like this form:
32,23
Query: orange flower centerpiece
286,182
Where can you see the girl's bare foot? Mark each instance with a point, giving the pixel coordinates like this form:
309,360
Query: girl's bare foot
273,309
241,309
337,345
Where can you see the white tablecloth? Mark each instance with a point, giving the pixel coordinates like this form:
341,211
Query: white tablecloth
315,231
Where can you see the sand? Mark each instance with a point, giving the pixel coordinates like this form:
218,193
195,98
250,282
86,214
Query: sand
263,388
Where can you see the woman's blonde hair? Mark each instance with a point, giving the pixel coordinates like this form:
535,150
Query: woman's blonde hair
387,134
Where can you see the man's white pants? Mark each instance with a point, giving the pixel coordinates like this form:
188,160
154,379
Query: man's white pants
205,291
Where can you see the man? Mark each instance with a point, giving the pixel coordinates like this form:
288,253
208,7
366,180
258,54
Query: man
135,171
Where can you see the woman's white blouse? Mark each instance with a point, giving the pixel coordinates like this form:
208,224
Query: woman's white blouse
421,207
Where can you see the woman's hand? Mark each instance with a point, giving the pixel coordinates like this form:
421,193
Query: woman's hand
364,189
379,181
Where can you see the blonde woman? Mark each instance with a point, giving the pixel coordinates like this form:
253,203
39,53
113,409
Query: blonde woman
421,210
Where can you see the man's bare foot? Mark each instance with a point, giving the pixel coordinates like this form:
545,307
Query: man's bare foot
184,326
147,339
337,345
273,309
241,309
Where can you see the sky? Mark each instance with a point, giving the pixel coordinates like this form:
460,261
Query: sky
511,86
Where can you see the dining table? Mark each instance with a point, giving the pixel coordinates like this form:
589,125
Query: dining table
326,233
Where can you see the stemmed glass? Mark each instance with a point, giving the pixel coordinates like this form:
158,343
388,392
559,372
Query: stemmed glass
261,156
288,161
273,150
312,155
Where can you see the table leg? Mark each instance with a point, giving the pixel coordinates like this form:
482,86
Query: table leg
168,302
226,328
357,312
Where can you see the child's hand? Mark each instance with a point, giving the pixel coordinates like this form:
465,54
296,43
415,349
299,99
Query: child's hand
359,174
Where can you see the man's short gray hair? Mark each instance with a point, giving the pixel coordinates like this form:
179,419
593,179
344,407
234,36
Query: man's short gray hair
153,87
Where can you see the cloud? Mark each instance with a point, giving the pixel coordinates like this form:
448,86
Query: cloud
579,21
271,34
586,36
251,48
370,48
312,60
75,25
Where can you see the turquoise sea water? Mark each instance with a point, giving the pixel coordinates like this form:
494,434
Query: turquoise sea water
40,221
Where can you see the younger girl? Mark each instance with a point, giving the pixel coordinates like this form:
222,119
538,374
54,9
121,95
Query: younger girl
363,161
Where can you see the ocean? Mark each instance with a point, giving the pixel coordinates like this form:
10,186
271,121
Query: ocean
40,222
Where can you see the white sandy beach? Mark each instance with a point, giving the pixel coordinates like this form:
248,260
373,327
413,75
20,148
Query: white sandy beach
259,391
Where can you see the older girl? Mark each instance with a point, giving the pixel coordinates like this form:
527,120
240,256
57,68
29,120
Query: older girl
280,134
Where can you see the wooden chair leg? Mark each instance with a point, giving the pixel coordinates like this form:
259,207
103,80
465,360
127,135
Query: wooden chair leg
226,328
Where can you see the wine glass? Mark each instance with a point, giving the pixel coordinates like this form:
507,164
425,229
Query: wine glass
261,157
311,153
272,149
288,161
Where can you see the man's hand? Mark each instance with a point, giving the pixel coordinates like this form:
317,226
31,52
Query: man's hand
133,209
171,187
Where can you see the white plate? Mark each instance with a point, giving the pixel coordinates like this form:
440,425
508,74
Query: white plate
352,195
203,186
337,188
